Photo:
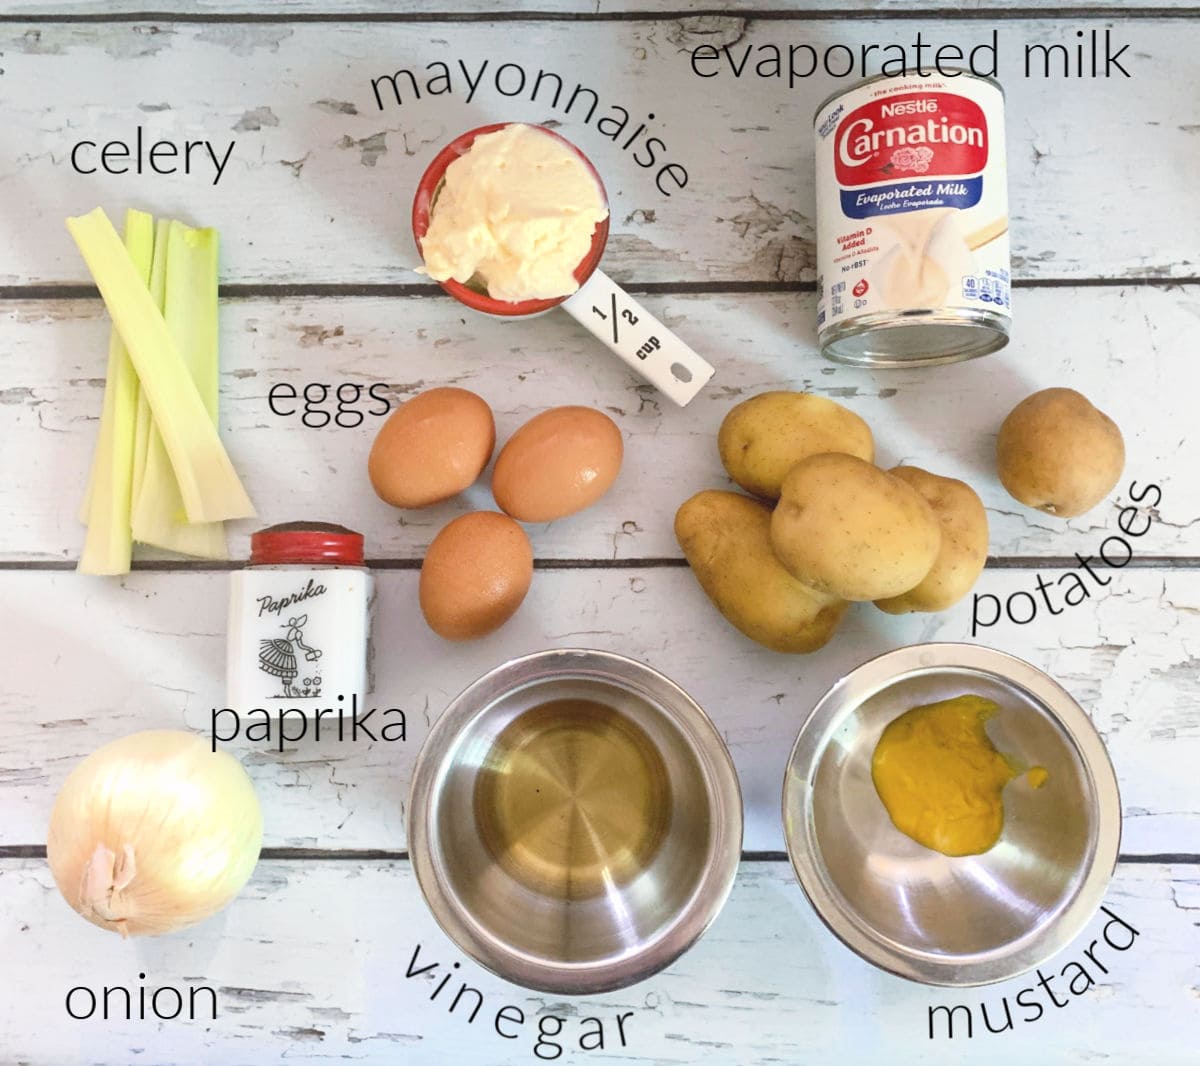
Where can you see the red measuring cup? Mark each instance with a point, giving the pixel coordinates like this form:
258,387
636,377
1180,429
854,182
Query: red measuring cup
601,306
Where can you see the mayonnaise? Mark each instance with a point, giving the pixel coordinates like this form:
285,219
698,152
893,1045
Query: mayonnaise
515,214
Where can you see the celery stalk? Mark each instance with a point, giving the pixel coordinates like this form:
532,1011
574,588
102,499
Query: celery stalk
157,285
192,305
208,484
156,282
191,315
107,547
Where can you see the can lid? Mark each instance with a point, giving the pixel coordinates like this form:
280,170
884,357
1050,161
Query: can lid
306,542
922,337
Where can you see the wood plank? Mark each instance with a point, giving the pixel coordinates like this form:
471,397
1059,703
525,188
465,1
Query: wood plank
236,9
318,188
1130,349
95,660
766,981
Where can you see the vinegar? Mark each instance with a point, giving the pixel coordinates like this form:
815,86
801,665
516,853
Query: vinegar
572,797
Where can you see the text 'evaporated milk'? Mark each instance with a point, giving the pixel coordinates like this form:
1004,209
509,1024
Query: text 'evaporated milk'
912,221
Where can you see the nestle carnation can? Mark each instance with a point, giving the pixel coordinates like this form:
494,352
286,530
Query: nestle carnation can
912,221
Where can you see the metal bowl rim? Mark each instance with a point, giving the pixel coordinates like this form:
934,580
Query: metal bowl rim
716,880
827,716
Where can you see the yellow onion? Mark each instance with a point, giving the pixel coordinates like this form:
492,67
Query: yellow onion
154,832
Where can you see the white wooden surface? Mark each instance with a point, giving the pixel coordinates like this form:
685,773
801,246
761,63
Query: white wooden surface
331,986
408,9
1139,340
149,652
320,181
310,961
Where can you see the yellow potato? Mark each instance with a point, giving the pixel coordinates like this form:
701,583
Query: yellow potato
964,543
726,538
763,437
850,529
1057,453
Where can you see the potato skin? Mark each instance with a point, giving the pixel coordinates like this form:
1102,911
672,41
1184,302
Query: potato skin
763,437
1058,453
726,538
964,547
850,529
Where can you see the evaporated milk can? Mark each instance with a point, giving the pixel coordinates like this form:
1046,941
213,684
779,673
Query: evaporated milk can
912,221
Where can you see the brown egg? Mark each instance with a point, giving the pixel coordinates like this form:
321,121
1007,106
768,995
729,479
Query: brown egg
475,575
559,462
432,447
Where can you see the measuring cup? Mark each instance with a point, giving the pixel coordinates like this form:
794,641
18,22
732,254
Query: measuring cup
601,306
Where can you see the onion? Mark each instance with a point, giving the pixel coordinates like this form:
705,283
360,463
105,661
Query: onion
154,832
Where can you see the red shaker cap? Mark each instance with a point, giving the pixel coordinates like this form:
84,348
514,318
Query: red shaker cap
306,542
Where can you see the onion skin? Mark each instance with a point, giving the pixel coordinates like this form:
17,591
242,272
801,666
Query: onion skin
154,832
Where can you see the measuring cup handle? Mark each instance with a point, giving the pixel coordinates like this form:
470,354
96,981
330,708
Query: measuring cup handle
639,339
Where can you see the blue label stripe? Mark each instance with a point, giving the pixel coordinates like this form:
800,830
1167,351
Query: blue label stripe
911,196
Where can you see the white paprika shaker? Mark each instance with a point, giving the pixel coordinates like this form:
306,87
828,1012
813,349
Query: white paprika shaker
299,620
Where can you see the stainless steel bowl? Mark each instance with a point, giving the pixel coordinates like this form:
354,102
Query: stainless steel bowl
915,912
560,900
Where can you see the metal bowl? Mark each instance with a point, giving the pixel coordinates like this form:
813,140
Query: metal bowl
565,898
923,915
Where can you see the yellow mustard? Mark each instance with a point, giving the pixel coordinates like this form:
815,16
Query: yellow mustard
941,779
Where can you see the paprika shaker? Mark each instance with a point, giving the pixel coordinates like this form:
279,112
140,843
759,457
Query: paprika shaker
299,620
